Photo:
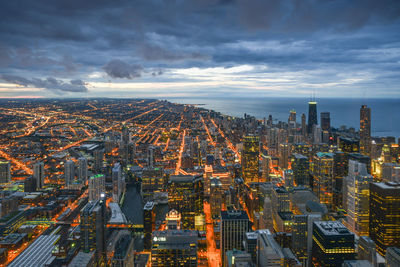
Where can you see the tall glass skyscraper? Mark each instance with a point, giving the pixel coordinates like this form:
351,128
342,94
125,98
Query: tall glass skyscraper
312,115
250,161
365,130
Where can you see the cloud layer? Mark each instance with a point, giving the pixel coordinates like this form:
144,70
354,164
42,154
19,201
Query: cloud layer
293,47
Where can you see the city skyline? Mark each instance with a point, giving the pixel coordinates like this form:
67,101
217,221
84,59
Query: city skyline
158,49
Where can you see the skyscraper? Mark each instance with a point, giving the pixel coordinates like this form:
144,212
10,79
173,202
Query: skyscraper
358,198
322,172
300,167
98,156
384,220
234,225
148,224
93,236
303,125
333,243
117,181
312,116
82,170
97,187
5,173
365,130
38,173
250,160
69,172
325,121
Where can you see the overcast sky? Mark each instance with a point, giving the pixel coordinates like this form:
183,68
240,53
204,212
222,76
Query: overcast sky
199,48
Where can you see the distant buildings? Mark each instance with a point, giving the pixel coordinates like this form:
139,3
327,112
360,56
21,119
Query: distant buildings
312,116
325,121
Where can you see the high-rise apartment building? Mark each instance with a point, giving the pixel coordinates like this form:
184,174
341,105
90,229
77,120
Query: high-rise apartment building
97,187
69,172
38,173
250,159
116,181
98,157
365,130
82,170
384,220
5,172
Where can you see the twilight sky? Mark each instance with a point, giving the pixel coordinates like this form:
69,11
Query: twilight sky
199,48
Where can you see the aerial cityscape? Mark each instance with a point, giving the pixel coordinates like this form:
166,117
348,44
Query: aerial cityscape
209,133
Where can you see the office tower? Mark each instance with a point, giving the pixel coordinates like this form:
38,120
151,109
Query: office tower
149,218
97,187
312,116
182,197
30,184
215,197
362,159
173,219
340,170
303,125
348,145
393,257
198,189
250,161
123,250
390,172
5,172
131,153
325,121
299,236
281,214
69,172
300,167
250,245
333,243
269,121
98,156
269,252
357,198
116,181
284,151
367,250
292,116
93,225
150,156
365,130
384,220
317,134
38,173
125,135
322,171
234,225
174,248
153,183
82,170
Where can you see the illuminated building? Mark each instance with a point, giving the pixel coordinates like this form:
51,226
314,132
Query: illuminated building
250,245
238,258
93,235
150,156
69,172
98,156
325,121
357,198
393,257
300,168
38,173
173,219
312,116
174,248
333,243
390,172
216,197
82,170
367,250
182,197
116,181
322,171
317,134
198,189
123,250
301,148
250,160
340,170
362,159
292,116
365,130
5,173
234,225
348,145
153,182
97,187
283,151
299,236
384,220
148,224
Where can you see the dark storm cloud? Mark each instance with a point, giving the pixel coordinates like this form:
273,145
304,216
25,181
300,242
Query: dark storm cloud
67,38
118,69
50,83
